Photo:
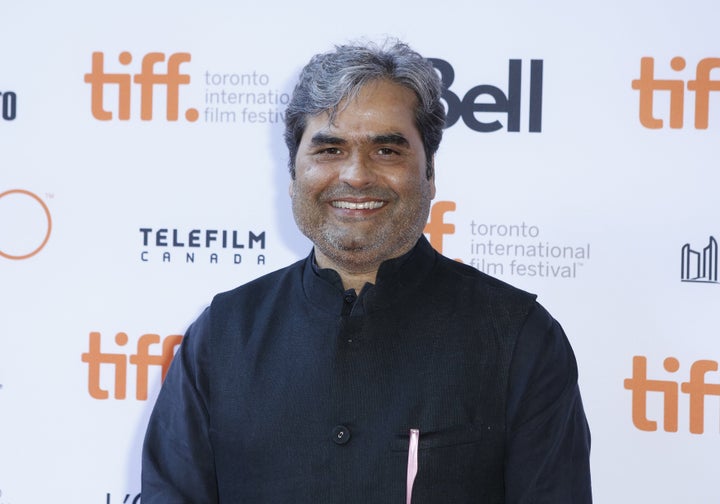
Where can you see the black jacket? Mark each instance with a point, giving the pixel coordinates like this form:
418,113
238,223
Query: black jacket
289,390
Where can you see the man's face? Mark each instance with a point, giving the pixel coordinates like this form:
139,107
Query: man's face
361,192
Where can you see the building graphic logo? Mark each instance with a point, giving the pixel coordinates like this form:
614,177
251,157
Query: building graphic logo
24,231
700,266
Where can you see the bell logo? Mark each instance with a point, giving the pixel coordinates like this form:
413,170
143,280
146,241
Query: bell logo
142,360
702,85
505,103
24,229
147,80
437,228
696,388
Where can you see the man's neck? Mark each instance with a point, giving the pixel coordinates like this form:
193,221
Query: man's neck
351,277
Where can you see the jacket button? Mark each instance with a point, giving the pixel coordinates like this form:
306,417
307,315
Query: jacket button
341,435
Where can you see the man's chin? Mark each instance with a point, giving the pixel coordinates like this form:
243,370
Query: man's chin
351,251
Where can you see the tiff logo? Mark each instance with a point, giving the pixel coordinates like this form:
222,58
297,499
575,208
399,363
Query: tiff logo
696,388
700,266
98,360
436,227
147,80
701,86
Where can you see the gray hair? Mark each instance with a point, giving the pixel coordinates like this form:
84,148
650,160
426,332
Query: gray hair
332,77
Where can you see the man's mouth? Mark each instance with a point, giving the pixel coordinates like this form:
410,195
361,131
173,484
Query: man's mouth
354,205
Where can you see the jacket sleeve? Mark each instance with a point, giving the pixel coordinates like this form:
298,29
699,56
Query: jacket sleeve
177,459
547,461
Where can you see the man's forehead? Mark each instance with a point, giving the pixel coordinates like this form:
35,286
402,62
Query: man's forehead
322,128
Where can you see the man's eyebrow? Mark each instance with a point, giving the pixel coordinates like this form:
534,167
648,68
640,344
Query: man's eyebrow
321,138
390,138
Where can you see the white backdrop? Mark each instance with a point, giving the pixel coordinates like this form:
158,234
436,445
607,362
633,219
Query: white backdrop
99,209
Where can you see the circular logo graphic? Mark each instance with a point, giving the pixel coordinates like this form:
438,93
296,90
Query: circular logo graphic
24,227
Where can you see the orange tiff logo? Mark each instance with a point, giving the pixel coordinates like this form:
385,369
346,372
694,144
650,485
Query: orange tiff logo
696,388
142,360
437,228
701,86
147,80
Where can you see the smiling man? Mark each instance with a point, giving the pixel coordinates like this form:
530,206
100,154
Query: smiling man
361,191
375,370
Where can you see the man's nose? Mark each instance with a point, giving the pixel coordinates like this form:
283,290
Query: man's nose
358,172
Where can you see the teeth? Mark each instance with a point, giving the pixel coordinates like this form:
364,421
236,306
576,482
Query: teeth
365,205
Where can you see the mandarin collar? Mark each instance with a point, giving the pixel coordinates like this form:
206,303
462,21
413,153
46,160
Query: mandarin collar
396,276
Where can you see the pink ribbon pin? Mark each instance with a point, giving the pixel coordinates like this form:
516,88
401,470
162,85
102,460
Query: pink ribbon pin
412,465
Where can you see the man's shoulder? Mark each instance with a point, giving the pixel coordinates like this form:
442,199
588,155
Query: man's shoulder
258,288
459,273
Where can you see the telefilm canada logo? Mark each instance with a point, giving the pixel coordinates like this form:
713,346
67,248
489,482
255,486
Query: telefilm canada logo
202,246
127,86
700,265
512,249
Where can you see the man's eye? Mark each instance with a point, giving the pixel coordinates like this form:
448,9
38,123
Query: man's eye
386,151
330,151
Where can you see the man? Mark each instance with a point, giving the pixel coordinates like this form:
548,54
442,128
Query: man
375,370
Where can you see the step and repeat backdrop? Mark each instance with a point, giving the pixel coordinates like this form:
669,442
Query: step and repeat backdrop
142,170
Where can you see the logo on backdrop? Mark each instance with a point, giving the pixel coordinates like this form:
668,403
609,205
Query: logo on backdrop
111,93
668,391
211,246
25,224
700,266
243,98
479,106
108,370
515,249
436,228
126,499
8,105
128,87
673,89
